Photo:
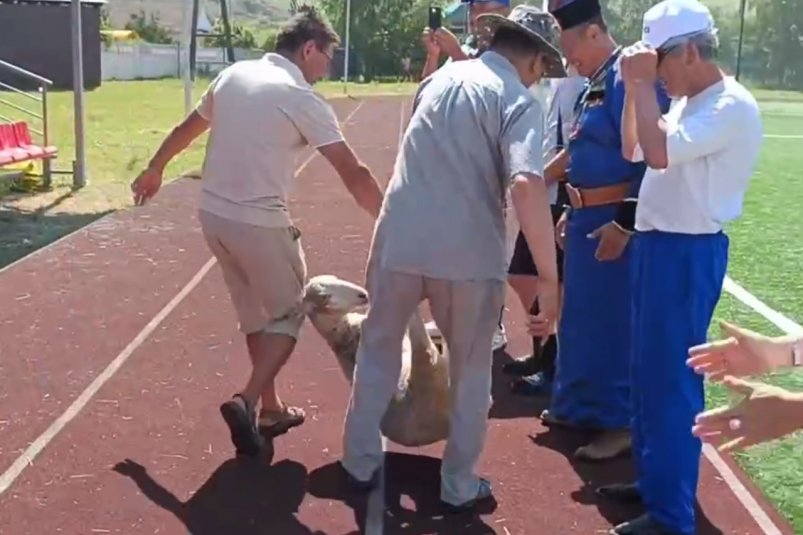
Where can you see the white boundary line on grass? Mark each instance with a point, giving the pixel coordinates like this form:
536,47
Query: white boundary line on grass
37,446
784,136
749,502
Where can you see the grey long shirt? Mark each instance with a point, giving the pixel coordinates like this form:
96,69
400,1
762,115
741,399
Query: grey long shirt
474,127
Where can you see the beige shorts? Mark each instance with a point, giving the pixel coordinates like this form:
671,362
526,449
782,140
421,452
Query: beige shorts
264,269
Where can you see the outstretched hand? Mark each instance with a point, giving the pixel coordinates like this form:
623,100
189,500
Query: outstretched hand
765,413
742,353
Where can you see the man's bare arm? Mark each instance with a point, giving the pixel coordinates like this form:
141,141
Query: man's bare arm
650,126
177,140
555,170
355,175
529,196
430,65
629,131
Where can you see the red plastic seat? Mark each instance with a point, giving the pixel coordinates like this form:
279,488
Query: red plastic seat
16,145
8,144
22,136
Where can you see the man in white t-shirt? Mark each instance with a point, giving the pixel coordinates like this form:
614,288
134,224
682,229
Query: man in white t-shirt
262,114
700,157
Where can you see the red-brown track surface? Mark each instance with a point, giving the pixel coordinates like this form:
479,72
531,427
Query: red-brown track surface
148,452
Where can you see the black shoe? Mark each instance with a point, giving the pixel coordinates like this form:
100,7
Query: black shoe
627,493
485,493
522,367
643,525
358,486
241,419
535,385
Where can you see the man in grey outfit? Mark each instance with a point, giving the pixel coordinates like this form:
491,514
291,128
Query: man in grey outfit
476,132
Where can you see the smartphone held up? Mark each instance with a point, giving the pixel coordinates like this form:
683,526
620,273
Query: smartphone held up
435,17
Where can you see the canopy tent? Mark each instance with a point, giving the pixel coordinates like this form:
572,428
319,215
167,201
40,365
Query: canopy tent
454,15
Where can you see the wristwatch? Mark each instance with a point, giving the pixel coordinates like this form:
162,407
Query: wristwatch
797,359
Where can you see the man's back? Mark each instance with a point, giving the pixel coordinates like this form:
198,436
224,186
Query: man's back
474,126
263,113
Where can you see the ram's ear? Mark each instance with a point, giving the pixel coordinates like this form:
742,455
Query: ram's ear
315,296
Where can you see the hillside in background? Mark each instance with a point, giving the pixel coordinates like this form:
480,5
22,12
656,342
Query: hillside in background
252,13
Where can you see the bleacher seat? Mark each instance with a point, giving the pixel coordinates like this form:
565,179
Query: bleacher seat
16,145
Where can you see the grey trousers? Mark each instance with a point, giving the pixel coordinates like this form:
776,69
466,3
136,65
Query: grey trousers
467,313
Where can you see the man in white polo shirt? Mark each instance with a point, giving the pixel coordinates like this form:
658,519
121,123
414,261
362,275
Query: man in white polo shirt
700,156
262,114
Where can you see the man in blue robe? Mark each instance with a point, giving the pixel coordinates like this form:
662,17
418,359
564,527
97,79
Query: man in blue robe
592,382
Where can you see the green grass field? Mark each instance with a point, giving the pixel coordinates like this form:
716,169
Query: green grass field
765,258
126,121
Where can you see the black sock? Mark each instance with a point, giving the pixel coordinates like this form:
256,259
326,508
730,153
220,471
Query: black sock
537,349
549,353
546,354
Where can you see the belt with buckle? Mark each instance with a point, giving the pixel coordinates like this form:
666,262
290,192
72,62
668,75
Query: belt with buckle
588,197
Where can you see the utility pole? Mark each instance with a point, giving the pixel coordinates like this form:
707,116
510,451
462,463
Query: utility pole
79,165
348,46
741,39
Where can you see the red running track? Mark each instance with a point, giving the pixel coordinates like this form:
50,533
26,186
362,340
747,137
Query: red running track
139,447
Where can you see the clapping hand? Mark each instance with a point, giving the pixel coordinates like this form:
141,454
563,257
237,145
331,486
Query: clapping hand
765,413
743,353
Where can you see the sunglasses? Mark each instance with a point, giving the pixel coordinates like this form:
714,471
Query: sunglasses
664,52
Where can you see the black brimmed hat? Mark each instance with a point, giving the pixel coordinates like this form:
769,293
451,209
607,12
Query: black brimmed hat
576,12
540,26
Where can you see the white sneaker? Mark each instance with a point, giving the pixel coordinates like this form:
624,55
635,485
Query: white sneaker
433,331
500,339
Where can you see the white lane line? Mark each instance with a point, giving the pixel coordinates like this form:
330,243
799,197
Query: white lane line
31,452
401,124
747,500
36,447
785,324
740,491
375,508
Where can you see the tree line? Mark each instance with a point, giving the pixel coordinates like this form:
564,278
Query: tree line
383,32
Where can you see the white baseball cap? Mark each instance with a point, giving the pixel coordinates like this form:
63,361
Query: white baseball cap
670,19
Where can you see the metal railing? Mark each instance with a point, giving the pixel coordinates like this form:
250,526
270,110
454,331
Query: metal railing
39,111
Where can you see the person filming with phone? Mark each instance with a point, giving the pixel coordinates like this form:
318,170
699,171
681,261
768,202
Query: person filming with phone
440,40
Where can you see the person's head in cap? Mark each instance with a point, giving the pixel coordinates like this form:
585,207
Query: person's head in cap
683,41
584,36
528,39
